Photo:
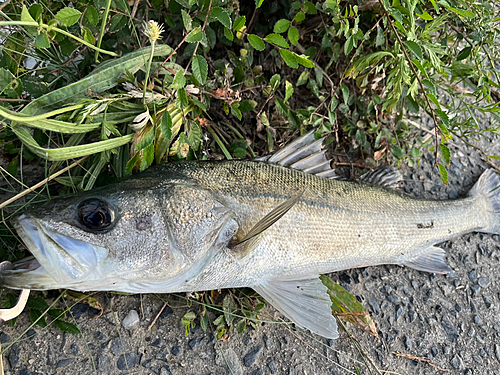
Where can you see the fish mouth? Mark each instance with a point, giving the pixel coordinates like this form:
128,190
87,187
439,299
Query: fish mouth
57,261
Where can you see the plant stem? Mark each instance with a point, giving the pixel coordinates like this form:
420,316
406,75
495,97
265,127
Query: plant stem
147,73
11,115
103,26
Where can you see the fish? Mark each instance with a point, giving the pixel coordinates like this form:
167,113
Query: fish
274,224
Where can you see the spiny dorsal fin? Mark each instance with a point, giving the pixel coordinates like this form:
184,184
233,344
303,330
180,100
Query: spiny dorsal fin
305,154
251,239
386,176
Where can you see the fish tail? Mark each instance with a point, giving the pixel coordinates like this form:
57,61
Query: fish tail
488,186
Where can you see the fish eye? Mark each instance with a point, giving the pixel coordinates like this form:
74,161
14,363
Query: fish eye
95,214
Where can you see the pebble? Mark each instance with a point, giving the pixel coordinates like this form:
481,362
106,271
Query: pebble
31,333
471,332
119,346
228,359
100,335
105,364
251,357
497,351
449,328
399,312
197,342
456,361
458,308
4,338
487,301
375,306
131,320
126,361
64,362
473,276
484,282
446,350
272,367
166,313
434,351
411,316
267,342
475,290
158,343
75,349
14,355
477,319
257,372
468,372
473,306
408,343
166,370
176,350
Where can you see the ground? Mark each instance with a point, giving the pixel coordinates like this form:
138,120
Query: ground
452,320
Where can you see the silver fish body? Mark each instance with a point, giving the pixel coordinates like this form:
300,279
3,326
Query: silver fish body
174,229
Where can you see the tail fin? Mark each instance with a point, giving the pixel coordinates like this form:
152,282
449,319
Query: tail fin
488,186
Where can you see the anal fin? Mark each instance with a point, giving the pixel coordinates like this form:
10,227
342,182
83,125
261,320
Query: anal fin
305,301
432,260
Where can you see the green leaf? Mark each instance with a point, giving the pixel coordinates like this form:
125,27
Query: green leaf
299,17
443,173
464,53
148,155
235,110
256,42
274,82
310,8
25,15
67,327
303,60
68,16
445,153
293,35
258,3
303,78
200,68
13,166
195,36
348,306
87,35
462,12
239,23
240,327
37,302
37,316
281,26
415,48
42,41
91,16
247,105
182,100
194,136
147,137
187,21
166,125
179,81
425,16
222,16
228,34
288,90
277,39
289,58
345,93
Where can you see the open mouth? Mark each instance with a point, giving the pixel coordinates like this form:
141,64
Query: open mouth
57,260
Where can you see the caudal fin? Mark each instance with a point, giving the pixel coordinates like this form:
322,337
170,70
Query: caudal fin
488,186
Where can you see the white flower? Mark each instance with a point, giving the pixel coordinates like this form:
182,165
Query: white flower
140,121
153,31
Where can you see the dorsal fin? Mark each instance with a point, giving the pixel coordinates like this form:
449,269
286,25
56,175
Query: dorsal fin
305,154
386,176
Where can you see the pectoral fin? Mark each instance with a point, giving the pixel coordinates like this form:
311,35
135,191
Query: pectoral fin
304,301
431,260
251,239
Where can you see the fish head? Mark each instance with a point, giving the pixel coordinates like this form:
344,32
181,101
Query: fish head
121,237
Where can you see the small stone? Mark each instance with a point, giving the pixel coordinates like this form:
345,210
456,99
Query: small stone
79,309
105,364
166,370
411,316
482,352
251,357
449,328
75,349
497,351
99,335
468,372
14,355
408,343
91,346
399,312
375,306
446,350
475,290
456,362
458,308
257,372
453,194
31,333
158,343
64,362
477,358
166,313
477,319
473,276
267,342
131,320
272,367
389,339
471,332
473,306
176,350
484,282
147,363
487,301
434,351
4,338
331,343
126,361
229,360
197,342
119,346
393,299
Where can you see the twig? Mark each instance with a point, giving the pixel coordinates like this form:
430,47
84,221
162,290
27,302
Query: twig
157,316
1,7
419,359
41,183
